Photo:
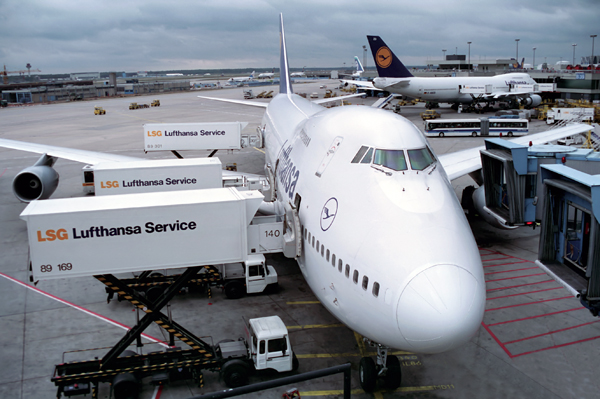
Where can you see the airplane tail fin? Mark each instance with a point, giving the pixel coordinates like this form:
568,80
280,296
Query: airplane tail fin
252,74
359,67
285,86
388,65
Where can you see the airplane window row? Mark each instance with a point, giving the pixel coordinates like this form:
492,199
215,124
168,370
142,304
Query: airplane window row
311,241
419,159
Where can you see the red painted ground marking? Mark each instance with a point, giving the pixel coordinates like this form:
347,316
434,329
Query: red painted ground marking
512,278
550,332
530,303
511,263
535,317
4,172
84,310
524,293
496,339
512,270
555,347
519,285
491,260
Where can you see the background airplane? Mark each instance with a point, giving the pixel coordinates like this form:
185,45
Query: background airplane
394,77
366,245
267,75
240,79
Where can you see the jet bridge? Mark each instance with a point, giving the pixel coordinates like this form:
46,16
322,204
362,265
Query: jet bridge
511,176
569,248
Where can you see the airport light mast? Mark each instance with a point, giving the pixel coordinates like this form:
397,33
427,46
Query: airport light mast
574,45
365,57
444,53
469,62
533,58
517,59
592,60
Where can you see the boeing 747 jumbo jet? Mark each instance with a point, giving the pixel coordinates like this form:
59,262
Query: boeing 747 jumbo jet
386,247
394,77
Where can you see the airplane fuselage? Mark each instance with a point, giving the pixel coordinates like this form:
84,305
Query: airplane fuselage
451,89
386,247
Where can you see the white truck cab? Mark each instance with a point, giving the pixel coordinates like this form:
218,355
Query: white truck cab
269,344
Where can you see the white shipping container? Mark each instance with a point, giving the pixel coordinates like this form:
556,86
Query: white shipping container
193,136
156,175
135,232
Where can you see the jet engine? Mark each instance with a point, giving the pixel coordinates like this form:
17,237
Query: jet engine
532,101
36,182
478,206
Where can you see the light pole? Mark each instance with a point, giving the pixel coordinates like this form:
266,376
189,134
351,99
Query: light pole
533,58
592,60
517,40
444,52
365,58
469,60
574,45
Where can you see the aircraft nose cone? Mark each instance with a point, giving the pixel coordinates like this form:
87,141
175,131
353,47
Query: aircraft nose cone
440,308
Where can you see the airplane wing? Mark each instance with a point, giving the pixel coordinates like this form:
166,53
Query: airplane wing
460,163
331,99
243,102
83,156
504,94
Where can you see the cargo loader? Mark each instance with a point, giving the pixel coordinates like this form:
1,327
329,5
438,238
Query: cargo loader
213,234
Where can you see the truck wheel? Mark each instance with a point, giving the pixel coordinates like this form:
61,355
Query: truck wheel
234,289
126,386
441,134
368,374
235,373
295,363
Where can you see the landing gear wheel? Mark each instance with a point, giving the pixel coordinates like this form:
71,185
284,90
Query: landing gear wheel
368,374
126,386
393,378
235,373
234,289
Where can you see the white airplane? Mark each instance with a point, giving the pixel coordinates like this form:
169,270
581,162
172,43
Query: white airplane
298,74
266,75
241,79
359,69
394,77
386,247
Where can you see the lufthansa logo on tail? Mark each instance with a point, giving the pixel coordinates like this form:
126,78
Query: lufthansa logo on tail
383,57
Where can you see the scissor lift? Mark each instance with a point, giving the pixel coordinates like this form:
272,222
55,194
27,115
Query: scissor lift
125,372
570,238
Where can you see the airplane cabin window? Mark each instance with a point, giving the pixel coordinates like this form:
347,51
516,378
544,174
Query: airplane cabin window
313,241
375,289
327,256
393,159
365,283
340,265
360,154
347,270
333,260
421,158
318,245
368,157
322,250
355,277
309,237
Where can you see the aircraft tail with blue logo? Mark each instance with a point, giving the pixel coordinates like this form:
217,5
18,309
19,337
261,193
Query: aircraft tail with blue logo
388,65
359,67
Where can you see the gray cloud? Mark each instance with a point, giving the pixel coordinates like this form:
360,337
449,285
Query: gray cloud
74,36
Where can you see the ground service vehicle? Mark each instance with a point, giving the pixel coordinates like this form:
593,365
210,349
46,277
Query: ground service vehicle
569,114
430,114
155,103
99,111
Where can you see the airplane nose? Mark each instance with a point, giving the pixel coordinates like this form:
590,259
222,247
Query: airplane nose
441,308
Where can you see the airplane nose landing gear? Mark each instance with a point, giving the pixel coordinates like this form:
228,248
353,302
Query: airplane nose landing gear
387,368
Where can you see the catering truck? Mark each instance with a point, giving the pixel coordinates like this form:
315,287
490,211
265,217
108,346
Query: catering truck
199,231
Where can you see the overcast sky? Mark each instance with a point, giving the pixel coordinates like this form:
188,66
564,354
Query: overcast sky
133,35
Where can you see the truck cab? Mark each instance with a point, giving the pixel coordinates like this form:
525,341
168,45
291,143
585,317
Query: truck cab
269,344
251,277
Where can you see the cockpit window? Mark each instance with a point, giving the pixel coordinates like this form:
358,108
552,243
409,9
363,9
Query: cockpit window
393,159
421,158
360,154
368,157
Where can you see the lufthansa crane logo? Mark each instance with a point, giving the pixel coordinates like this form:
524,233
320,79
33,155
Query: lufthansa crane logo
328,213
383,57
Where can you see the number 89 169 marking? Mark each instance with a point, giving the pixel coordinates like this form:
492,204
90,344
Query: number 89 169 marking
62,267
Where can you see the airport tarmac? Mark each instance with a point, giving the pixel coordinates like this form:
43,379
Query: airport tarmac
535,340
